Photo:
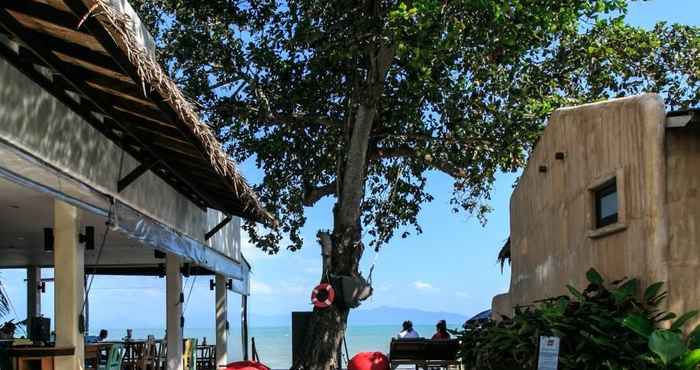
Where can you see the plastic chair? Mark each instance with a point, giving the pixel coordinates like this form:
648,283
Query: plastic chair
190,354
114,358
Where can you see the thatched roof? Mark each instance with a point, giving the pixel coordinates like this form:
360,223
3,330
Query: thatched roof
99,51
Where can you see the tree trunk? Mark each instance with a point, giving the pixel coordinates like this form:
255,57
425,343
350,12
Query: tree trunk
327,326
343,248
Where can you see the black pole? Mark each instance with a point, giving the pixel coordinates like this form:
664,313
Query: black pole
244,326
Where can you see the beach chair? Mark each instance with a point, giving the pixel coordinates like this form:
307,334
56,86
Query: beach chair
114,358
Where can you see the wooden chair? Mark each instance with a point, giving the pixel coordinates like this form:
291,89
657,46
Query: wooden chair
115,355
162,356
147,355
206,357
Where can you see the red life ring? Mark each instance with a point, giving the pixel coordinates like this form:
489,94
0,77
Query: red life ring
323,296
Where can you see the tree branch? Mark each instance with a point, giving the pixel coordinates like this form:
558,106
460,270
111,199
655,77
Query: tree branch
406,151
314,194
429,138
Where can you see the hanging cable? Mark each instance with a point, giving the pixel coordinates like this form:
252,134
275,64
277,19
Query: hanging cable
189,295
108,225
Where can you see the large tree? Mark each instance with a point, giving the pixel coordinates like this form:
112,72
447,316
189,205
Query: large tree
358,100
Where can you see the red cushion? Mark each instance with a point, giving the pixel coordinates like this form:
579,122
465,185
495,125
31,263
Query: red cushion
369,361
246,365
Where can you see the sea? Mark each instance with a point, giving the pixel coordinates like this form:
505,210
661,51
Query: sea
274,343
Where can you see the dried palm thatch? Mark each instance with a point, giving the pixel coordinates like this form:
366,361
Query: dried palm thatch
504,254
120,26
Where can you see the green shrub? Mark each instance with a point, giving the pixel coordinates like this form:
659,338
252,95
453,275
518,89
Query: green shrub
605,326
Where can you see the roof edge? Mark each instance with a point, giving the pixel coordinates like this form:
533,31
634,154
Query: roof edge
128,34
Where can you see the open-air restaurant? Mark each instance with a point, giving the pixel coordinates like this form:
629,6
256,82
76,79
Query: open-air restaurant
106,169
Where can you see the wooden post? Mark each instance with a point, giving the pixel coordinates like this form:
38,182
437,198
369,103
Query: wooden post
244,326
221,306
33,295
69,272
173,312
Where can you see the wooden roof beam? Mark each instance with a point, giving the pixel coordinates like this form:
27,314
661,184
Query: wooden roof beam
44,53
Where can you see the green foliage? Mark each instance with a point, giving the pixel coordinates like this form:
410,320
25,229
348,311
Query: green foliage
467,91
605,326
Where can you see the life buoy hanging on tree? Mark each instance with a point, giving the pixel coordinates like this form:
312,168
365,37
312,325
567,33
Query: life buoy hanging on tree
323,296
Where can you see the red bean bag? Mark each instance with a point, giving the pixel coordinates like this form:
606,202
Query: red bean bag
246,365
369,361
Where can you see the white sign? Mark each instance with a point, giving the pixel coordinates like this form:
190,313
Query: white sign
549,353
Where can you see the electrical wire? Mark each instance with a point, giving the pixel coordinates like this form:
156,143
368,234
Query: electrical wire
189,295
108,224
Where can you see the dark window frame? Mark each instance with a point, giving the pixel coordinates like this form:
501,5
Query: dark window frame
599,193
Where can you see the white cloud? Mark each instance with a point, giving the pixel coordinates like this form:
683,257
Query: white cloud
258,287
422,285
463,295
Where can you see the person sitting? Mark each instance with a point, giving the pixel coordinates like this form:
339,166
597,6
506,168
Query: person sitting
441,331
408,332
94,339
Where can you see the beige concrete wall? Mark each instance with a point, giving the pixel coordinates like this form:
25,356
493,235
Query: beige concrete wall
33,120
552,237
683,196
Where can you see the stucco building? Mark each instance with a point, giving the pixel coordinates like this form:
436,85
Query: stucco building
613,186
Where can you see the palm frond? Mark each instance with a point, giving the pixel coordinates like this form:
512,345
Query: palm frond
4,301
504,254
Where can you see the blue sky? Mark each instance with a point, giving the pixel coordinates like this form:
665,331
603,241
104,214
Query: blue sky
450,267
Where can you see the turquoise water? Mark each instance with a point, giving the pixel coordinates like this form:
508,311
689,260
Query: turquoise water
274,344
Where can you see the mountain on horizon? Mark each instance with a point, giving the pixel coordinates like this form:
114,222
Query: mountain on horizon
374,316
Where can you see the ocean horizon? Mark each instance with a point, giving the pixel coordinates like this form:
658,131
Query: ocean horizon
274,343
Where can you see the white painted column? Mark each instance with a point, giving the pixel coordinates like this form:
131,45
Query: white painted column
33,295
221,304
69,273
173,311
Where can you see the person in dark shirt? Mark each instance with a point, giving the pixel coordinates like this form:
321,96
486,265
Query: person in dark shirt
441,331
96,339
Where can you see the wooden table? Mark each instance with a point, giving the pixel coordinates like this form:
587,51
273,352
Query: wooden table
25,358
93,351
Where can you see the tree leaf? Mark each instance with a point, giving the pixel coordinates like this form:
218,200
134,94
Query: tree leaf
678,324
575,292
694,338
652,290
691,360
639,324
594,277
668,345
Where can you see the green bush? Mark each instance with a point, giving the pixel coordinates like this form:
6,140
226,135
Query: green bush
605,326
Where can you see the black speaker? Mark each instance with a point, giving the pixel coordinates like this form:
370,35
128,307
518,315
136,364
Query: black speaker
88,238
40,330
300,323
48,239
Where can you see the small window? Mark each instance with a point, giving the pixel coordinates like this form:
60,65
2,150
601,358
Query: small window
606,204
